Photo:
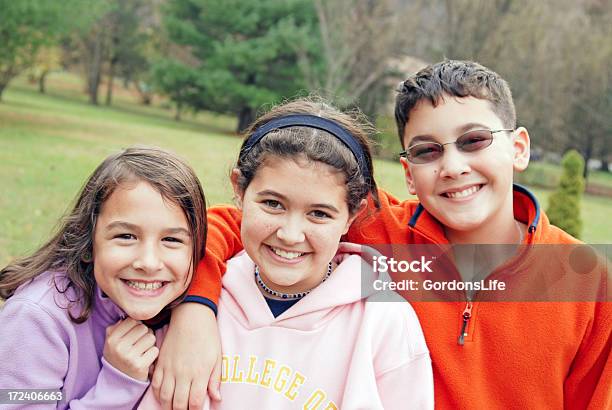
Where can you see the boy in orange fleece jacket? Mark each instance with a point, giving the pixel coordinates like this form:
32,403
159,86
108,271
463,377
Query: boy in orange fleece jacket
457,124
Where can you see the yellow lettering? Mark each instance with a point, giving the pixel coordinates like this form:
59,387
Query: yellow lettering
250,378
280,386
315,400
224,369
331,406
265,374
237,376
298,380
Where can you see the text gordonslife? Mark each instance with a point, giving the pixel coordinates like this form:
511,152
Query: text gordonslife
383,264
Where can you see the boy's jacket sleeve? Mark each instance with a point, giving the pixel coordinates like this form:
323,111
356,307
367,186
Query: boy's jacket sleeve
222,242
379,225
590,377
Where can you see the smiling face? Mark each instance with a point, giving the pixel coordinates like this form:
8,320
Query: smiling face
293,215
142,250
465,191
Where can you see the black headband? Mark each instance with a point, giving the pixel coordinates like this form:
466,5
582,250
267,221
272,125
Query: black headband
311,121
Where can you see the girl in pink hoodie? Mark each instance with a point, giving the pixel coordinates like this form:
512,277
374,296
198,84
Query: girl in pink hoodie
72,325
298,326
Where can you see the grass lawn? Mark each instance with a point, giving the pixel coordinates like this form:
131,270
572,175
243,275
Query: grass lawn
50,143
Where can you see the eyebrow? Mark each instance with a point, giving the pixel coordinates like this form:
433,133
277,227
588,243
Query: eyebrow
269,192
132,227
459,131
472,126
121,225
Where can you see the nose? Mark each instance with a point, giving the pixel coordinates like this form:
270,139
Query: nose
453,163
291,231
148,258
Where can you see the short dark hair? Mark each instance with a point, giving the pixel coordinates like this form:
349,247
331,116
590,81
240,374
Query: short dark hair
456,79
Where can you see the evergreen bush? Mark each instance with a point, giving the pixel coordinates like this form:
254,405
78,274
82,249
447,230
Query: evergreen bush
564,204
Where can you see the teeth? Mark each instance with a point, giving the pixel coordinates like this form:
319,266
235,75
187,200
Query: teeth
143,285
285,254
464,193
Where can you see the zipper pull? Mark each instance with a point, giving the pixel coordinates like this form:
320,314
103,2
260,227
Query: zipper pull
467,314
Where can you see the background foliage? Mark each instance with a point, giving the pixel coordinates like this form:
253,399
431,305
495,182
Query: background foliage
564,208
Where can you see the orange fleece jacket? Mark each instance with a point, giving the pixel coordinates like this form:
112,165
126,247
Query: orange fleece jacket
515,354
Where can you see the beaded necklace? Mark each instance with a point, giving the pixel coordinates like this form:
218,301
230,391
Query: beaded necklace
287,296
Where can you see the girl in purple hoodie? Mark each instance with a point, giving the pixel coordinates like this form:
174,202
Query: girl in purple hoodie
73,328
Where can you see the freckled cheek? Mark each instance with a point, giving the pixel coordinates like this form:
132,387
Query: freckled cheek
259,225
325,240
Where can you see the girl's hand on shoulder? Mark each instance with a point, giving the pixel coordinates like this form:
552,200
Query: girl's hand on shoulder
190,359
130,348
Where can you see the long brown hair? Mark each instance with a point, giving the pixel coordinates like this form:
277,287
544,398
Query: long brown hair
71,248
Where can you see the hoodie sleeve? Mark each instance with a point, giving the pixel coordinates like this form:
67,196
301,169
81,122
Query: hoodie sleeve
393,368
404,375
222,243
113,390
34,350
410,385
590,377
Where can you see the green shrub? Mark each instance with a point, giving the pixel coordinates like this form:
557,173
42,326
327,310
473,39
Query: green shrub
564,203
539,174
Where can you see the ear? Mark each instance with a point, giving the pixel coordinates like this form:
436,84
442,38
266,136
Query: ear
238,193
408,175
362,205
521,148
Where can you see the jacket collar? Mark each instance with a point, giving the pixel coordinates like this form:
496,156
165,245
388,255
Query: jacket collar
526,209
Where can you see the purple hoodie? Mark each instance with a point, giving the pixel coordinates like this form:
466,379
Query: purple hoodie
41,348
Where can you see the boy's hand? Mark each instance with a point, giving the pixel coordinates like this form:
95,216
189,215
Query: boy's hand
190,359
130,348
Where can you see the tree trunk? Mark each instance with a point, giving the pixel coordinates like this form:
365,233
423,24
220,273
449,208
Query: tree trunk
111,78
41,81
245,118
6,76
144,93
588,154
95,69
145,99
179,108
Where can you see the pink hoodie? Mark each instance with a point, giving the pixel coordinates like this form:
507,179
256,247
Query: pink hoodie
330,350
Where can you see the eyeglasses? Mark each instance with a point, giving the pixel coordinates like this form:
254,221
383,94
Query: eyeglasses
471,141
